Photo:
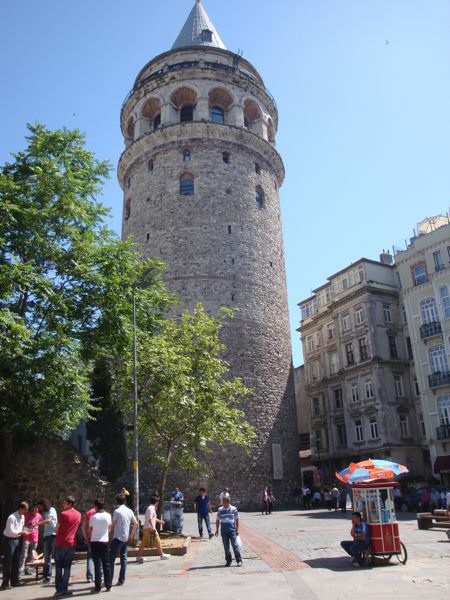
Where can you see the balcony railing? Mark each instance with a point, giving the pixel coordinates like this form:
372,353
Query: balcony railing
443,432
429,329
439,379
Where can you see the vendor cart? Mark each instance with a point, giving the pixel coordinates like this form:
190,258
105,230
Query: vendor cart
375,501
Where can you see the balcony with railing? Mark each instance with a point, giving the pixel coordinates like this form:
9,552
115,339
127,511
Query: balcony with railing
443,432
430,329
439,379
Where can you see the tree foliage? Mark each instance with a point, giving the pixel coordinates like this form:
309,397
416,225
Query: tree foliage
186,399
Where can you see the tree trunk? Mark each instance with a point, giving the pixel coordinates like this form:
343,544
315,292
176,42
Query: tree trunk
163,479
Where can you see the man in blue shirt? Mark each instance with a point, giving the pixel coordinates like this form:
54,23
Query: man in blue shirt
177,496
361,539
202,506
228,518
49,521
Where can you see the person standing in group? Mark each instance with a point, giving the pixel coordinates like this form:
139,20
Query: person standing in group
65,542
228,519
265,501
271,497
222,493
85,532
30,541
99,528
150,535
306,493
343,499
49,522
124,528
327,497
12,535
334,497
202,507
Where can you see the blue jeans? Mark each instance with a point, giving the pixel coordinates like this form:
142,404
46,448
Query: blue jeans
11,558
89,563
49,552
121,548
227,537
355,548
63,564
200,519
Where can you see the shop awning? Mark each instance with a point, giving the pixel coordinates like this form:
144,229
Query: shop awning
442,464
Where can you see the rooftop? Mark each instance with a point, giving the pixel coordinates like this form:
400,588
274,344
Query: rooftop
198,30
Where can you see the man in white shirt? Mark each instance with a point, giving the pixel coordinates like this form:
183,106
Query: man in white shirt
99,528
150,535
124,528
11,547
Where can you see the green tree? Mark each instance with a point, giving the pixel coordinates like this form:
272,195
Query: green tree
66,286
186,398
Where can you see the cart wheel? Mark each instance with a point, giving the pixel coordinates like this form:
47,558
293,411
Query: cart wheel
403,555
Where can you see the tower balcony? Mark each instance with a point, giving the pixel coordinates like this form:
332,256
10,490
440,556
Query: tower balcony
428,330
443,432
439,379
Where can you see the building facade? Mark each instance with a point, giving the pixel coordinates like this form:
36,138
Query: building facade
424,272
359,377
201,176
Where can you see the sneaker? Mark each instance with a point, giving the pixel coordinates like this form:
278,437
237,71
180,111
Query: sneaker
357,564
239,563
140,560
120,582
165,556
46,580
89,579
228,563
211,535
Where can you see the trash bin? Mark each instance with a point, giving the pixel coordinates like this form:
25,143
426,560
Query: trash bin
173,516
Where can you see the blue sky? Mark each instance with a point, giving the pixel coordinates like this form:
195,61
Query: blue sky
362,87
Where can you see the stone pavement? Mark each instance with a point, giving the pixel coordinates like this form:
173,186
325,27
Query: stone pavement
288,555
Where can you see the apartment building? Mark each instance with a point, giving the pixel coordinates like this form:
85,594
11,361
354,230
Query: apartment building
424,273
359,377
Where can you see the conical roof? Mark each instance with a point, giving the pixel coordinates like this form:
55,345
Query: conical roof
198,30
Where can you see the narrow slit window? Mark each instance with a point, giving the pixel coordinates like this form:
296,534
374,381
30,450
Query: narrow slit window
186,155
259,196
226,157
229,228
186,185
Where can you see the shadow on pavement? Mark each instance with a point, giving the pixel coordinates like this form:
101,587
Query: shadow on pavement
208,567
340,563
323,514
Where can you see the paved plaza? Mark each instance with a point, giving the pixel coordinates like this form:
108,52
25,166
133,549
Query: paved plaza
287,555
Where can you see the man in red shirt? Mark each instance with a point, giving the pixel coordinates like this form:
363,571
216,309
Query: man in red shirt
66,532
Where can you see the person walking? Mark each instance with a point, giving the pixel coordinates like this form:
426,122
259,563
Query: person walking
30,541
228,520
271,497
150,535
202,507
49,522
265,501
334,497
306,493
99,528
12,535
343,499
85,533
66,532
124,528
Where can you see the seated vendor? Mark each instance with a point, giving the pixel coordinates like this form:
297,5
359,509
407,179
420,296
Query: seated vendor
361,539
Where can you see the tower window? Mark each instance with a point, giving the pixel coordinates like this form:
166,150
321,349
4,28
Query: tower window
226,157
186,154
232,297
207,35
150,164
186,113
157,121
229,228
186,185
127,212
259,196
147,237
257,169
217,114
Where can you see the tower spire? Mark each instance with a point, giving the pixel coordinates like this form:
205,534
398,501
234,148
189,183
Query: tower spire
198,30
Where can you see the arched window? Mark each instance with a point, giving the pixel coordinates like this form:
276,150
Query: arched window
428,311
186,113
127,212
252,113
186,154
150,164
257,169
226,157
445,299
157,121
270,131
259,196
420,275
443,405
186,185
130,128
438,359
217,114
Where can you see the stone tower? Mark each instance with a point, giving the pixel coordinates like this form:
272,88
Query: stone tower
201,175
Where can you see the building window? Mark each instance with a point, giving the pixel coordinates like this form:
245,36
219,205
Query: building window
438,261
398,385
257,169
428,311
373,428
393,353
404,426
443,405
229,229
330,329
207,36
310,343
341,434
387,313
186,185
363,352
259,196
416,386
409,347
359,316
318,439
359,434
217,114
354,392
186,155
338,400
186,113
127,211
226,157
445,299
438,359
150,165
316,407
420,275
157,121
313,372
423,431
368,387
349,353
346,323
334,362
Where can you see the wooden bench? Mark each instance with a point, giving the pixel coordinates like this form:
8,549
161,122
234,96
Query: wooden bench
429,520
